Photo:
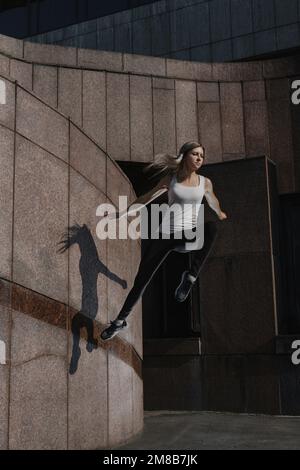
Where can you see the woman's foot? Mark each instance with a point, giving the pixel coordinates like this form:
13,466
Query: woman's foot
183,290
113,329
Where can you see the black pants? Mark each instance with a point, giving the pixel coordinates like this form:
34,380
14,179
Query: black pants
154,255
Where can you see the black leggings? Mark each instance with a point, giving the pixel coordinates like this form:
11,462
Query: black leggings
154,255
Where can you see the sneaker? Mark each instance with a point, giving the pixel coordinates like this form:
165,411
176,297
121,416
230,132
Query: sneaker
113,329
184,287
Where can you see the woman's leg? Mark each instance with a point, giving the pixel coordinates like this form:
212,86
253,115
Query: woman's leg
156,252
199,256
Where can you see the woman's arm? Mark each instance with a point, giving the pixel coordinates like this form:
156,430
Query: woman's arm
161,187
212,199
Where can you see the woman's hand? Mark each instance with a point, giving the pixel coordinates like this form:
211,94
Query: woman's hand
222,215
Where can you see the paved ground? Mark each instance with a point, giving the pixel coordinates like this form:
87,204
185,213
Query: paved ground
166,430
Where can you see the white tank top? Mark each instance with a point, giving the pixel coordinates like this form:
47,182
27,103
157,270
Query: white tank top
187,202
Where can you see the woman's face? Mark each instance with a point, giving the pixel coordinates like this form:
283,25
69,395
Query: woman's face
194,158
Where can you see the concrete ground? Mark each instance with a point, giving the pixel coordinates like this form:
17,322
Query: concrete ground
167,430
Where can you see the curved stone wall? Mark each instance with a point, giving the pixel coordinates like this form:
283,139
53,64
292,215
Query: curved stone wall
58,384
135,106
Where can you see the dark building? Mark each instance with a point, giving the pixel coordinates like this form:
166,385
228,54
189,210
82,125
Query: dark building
204,30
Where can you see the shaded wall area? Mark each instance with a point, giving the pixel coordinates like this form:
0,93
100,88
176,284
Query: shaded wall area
60,284
242,359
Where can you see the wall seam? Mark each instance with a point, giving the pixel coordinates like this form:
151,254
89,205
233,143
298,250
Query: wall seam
12,273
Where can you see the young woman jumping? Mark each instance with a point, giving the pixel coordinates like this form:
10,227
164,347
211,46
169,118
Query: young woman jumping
186,188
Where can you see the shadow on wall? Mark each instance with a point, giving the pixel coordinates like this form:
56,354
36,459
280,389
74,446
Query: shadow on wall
90,266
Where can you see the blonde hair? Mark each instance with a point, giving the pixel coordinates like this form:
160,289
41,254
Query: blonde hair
167,163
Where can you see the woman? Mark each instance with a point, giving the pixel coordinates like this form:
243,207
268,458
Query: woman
185,187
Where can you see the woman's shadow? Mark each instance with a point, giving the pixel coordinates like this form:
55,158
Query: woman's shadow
90,266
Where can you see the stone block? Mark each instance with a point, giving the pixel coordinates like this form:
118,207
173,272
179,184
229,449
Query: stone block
11,46
120,419
190,70
45,83
87,158
141,125
210,131
4,65
254,90
94,106
42,125
232,118
118,140
278,68
186,111
137,314
6,200
49,54
70,94
4,368
164,121
237,71
7,106
100,60
117,183
38,390
208,92
256,128
87,258
280,132
166,83
144,65
21,71
87,407
138,403
37,264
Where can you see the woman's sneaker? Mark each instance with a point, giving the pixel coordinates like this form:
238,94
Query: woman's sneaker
113,329
183,290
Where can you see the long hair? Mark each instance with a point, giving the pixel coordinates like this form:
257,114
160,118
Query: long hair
164,163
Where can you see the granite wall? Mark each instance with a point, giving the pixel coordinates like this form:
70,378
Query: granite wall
135,106
60,284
